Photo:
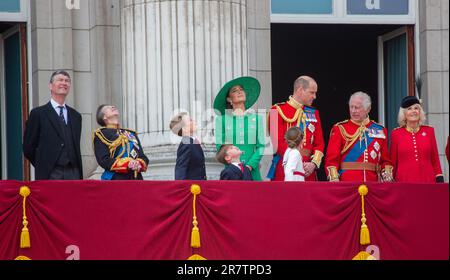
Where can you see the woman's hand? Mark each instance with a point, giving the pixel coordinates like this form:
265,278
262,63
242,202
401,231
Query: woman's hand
134,165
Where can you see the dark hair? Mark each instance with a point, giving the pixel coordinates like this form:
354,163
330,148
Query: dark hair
222,153
293,137
58,72
228,104
176,124
100,115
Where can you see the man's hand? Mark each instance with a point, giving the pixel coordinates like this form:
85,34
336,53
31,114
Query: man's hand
386,177
309,168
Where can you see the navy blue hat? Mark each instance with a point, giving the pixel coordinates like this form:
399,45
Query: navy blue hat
409,101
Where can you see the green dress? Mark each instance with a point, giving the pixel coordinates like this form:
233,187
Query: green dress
245,132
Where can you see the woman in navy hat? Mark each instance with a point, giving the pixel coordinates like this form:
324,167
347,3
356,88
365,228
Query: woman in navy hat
236,125
414,151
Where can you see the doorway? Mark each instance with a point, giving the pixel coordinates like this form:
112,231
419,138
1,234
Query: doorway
13,100
342,58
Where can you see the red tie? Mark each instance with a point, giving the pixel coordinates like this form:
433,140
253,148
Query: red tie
241,167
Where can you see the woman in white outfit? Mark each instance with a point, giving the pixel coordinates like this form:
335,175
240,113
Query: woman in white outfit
292,160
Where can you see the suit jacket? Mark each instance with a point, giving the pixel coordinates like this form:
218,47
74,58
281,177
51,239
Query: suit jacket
190,161
232,172
43,139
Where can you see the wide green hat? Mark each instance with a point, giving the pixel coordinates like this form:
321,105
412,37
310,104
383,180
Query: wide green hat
251,87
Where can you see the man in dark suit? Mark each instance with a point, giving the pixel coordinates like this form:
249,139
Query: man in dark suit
52,135
235,169
190,157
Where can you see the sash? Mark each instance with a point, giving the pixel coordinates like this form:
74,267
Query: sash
271,174
359,147
107,175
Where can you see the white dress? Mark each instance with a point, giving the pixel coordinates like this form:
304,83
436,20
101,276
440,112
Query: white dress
293,166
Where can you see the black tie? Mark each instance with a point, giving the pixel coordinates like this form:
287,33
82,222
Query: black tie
61,114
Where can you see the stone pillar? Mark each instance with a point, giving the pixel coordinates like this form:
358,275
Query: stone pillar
260,62
177,55
85,40
434,66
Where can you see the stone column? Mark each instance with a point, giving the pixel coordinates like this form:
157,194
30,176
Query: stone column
434,62
176,56
83,39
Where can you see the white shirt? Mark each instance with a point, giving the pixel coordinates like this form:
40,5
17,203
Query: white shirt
293,166
55,106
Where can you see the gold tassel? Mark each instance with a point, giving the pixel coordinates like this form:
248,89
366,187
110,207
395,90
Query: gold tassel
195,234
25,234
196,257
364,256
364,237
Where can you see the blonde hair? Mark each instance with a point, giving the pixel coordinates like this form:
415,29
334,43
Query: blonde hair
177,123
401,119
293,137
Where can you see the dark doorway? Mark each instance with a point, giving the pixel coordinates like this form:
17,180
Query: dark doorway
342,59
13,98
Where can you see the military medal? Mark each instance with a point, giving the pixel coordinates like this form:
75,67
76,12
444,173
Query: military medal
376,146
373,154
133,153
311,127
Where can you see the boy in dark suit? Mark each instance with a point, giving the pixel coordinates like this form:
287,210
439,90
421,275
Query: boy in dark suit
235,170
190,157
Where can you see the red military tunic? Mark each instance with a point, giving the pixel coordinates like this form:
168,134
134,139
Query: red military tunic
291,113
415,155
357,152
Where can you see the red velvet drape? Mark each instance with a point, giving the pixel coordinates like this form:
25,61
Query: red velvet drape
256,220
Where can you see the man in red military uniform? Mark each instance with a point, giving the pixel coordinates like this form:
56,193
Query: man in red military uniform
297,111
358,148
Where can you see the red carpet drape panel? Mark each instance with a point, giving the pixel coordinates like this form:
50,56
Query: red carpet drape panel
236,220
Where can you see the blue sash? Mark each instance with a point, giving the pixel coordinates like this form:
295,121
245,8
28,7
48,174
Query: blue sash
358,149
273,166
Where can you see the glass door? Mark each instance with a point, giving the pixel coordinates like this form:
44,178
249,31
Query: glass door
396,73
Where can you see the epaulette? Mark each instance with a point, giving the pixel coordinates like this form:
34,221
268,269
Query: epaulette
342,122
278,104
378,124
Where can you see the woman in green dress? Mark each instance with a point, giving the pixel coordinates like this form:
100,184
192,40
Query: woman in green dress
237,125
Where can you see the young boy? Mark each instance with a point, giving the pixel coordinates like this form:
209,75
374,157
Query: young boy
190,157
235,170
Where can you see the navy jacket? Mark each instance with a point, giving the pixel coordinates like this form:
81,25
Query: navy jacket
190,161
232,172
